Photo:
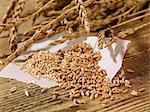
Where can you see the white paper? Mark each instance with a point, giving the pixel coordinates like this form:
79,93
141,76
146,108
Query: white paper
112,56
14,72
111,59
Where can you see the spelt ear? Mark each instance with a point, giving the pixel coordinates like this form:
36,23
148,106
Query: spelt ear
83,15
13,38
94,15
9,11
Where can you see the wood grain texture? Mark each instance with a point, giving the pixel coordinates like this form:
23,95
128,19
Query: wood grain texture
137,58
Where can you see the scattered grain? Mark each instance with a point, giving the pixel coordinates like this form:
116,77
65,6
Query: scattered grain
81,111
122,74
96,95
26,92
127,85
104,105
125,91
130,71
73,105
82,93
87,93
112,98
76,95
127,82
1,63
92,96
13,89
106,101
142,89
44,90
54,97
134,93
81,101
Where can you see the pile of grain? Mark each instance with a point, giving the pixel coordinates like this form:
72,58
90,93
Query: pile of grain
77,70
38,63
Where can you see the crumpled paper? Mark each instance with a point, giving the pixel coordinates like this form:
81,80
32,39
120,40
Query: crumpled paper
111,60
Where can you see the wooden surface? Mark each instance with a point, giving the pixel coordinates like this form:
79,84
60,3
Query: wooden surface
137,58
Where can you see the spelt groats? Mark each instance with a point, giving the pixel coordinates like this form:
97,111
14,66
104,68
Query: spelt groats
77,70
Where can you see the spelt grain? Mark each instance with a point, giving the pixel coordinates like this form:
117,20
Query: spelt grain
134,93
13,89
130,71
26,92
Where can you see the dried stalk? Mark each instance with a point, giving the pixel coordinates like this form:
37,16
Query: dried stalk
70,5
70,14
37,12
42,2
52,13
86,3
37,36
9,11
19,21
130,20
32,30
18,9
109,34
130,31
120,10
3,25
139,12
71,36
5,55
123,16
121,34
58,19
13,38
90,2
98,23
13,35
104,8
51,5
58,41
102,23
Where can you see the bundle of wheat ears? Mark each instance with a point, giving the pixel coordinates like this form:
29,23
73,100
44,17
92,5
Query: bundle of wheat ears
77,17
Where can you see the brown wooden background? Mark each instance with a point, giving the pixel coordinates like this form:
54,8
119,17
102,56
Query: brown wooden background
137,58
